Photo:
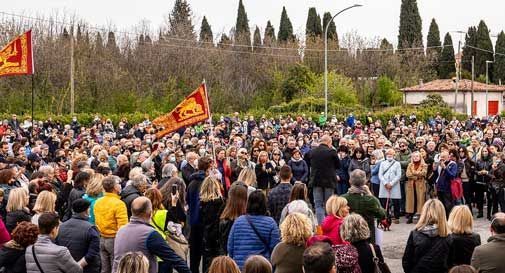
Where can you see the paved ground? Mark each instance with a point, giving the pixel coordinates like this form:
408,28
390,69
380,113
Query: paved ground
394,241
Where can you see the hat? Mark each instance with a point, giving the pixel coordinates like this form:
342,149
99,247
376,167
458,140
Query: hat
80,205
33,157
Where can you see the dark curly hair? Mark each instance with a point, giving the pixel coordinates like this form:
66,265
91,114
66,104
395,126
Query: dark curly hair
25,234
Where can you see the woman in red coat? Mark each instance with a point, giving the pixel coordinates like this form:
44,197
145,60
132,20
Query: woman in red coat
4,234
224,168
337,209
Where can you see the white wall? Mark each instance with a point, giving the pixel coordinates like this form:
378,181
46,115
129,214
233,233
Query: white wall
464,100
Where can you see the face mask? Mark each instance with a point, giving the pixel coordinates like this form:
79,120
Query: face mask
148,141
201,151
172,159
389,158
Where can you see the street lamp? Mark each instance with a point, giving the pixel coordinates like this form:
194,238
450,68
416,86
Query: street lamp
487,83
458,73
326,57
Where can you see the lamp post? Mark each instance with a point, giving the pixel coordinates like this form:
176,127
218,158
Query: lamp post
326,57
487,83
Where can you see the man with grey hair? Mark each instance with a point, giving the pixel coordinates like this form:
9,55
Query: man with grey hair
139,235
324,163
361,201
191,167
169,170
134,190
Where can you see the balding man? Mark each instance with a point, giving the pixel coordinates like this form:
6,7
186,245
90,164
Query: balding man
324,163
191,167
446,170
489,258
138,235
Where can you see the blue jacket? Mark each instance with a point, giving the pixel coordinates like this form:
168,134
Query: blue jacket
445,176
375,173
342,171
300,170
193,197
243,241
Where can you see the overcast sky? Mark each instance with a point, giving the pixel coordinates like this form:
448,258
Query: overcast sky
377,18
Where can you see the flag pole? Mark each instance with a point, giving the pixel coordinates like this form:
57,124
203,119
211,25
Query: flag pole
210,120
33,96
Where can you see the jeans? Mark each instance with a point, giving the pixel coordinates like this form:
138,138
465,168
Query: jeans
106,254
321,195
342,188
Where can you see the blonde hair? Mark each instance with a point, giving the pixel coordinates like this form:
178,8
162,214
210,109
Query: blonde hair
262,153
460,220
335,205
46,202
433,214
210,189
223,264
354,228
296,229
95,186
18,199
134,172
133,262
248,176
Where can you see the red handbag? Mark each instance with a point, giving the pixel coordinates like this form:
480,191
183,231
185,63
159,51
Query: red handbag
456,188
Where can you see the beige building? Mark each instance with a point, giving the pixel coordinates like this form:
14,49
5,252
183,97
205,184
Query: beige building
446,88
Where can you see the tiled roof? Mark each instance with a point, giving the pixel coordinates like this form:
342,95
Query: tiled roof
450,85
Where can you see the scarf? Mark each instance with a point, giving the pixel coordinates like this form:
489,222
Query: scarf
363,190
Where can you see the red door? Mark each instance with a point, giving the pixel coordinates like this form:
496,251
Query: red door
474,108
492,107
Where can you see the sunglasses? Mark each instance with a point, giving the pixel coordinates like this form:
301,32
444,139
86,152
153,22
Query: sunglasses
255,151
276,154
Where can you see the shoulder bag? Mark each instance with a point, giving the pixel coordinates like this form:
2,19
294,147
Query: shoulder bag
36,260
177,242
380,266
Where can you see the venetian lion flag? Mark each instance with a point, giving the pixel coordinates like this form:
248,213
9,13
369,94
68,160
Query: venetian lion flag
193,109
16,58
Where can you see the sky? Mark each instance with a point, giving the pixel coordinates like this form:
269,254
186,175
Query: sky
377,18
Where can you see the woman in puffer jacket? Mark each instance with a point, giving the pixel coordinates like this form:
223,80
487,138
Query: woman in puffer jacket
253,233
428,245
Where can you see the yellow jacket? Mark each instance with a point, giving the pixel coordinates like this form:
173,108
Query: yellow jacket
110,214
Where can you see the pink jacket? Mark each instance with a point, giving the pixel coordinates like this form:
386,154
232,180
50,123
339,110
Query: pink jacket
331,228
4,234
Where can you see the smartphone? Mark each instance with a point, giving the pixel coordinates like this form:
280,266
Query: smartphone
174,189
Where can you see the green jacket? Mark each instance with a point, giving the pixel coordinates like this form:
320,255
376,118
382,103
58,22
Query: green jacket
367,206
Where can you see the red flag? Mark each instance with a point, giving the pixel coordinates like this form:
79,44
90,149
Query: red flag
16,58
193,109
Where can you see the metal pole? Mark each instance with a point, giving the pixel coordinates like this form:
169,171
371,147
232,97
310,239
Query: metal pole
326,57
72,71
487,90
473,79
457,78
33,96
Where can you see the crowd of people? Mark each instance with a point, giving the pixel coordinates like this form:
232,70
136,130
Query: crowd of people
284,194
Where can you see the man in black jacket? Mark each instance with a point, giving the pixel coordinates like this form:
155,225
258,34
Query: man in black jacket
324,163
136,189
190,167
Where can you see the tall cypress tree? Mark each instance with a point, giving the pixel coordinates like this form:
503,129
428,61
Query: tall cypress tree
332,30
468,51
269,37
386,45
285,28
447,60
483,41
313,26
257,39
206,32
433,40
225,41
111,43
242,32
499,66
411,27
98,42
180,22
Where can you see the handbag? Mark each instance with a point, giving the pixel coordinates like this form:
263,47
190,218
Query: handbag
380,266
267,247
456,189
174,237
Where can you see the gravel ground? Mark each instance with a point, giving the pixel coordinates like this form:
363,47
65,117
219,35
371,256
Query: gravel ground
394,241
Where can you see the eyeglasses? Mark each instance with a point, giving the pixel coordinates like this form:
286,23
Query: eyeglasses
255,151
243,153
276,154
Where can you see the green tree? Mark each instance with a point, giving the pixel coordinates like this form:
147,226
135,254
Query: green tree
332,30
298,80
447,61
499,66
225,41
180,23
433,44
257,39
468,50
269,37
111,43
483,41
433,100
387,92
411,27
340,89
242,31
206,32
285,28
313,27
